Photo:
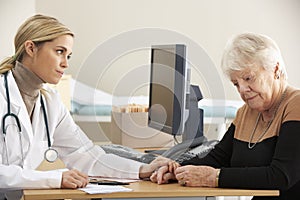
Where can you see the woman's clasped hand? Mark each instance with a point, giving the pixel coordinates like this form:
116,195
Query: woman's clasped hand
189,175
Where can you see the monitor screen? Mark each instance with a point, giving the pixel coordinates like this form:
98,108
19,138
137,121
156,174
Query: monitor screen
169,88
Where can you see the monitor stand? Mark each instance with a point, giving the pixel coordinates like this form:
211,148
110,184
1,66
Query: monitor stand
194,124
193,131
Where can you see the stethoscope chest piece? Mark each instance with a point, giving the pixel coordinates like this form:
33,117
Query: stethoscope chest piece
51,155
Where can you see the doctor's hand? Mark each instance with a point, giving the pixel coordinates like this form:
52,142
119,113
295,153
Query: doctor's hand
147,169
74,179
165,173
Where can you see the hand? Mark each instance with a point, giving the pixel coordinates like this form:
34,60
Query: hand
74,179
162,175
173,165
147,169
190,175
165,173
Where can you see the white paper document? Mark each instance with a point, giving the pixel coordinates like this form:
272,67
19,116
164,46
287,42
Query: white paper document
103,189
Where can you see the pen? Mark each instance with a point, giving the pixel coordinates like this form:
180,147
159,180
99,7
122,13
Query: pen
104,182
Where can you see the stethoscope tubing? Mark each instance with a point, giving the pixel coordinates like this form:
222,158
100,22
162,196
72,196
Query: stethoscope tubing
50,154
9,114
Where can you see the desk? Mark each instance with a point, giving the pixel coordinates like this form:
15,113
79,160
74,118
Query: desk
145,189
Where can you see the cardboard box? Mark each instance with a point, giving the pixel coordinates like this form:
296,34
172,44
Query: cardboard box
131,129
64,89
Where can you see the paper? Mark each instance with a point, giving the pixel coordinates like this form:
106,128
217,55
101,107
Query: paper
103,189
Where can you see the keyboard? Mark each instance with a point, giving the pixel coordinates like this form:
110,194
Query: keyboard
129,153
199,151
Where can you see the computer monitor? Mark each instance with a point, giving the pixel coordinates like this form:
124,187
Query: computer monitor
173,102
168,108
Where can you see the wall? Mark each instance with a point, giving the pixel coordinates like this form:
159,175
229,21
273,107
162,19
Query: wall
12,14
102,25
98,24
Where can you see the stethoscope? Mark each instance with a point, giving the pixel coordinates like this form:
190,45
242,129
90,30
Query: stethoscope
50,154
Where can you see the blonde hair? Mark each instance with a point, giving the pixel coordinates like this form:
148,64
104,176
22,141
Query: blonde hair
39,29
251,50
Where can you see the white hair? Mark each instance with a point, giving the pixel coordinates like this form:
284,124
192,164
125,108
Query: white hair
252,50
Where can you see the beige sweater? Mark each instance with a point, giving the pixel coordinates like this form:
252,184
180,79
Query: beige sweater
29,85
246,118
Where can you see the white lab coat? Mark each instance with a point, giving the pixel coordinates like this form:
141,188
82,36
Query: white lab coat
73,146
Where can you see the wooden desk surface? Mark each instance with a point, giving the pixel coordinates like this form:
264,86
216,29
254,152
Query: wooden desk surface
145,189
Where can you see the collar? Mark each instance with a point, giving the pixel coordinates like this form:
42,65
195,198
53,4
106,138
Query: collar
28,82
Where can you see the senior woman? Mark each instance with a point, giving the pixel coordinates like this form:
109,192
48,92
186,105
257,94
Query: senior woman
261,148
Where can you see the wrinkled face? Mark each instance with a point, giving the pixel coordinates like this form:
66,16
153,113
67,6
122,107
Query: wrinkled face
50,60
256,87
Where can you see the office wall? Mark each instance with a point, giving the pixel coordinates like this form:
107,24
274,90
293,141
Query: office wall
12,14
120,30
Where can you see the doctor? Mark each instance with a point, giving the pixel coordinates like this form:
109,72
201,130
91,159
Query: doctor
36,126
